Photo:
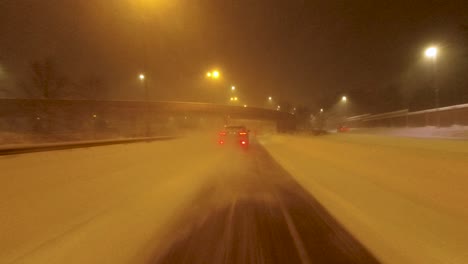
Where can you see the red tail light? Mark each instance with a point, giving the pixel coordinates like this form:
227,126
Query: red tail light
243,142
221,142
242,133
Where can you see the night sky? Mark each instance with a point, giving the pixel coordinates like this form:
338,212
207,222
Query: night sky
303,52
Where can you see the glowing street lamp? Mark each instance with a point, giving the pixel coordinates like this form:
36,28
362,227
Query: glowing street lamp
142,78
269,103
233,88
245,105
213,74
321,110
344,99
431,52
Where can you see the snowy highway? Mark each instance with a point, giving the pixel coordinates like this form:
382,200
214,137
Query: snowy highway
287,199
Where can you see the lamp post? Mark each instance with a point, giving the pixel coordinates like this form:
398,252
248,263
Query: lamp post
214,75
431,53
269,103
144,81
344,101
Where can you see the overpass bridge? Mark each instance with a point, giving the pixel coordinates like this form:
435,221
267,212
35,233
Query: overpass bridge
106,118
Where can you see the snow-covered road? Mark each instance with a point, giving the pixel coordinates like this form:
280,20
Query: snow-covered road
403,199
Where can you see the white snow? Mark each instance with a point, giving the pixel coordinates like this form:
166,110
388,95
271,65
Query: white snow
453,132
97,205
405,199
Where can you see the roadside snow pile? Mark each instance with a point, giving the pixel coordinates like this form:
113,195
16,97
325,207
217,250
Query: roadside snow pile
99,205
402,198
8,139
455,132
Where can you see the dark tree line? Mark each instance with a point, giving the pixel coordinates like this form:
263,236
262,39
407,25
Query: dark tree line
45,80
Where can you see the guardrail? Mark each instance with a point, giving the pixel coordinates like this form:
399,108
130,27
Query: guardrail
443,116
20,149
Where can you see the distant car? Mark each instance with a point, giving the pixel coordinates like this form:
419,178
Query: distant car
342,128
234,135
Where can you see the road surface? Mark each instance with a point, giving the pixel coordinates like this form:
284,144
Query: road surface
254,212
339,199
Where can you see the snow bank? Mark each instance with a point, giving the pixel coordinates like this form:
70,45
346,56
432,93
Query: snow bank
98,205
453,132
405,199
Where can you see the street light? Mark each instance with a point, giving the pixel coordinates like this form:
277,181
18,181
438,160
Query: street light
145,86
431,53
344,99
235,98
142,78
213,74
321,110
233,88
245,105
270,98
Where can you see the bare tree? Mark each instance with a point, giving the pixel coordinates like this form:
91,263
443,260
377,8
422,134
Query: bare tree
46,81
5,90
